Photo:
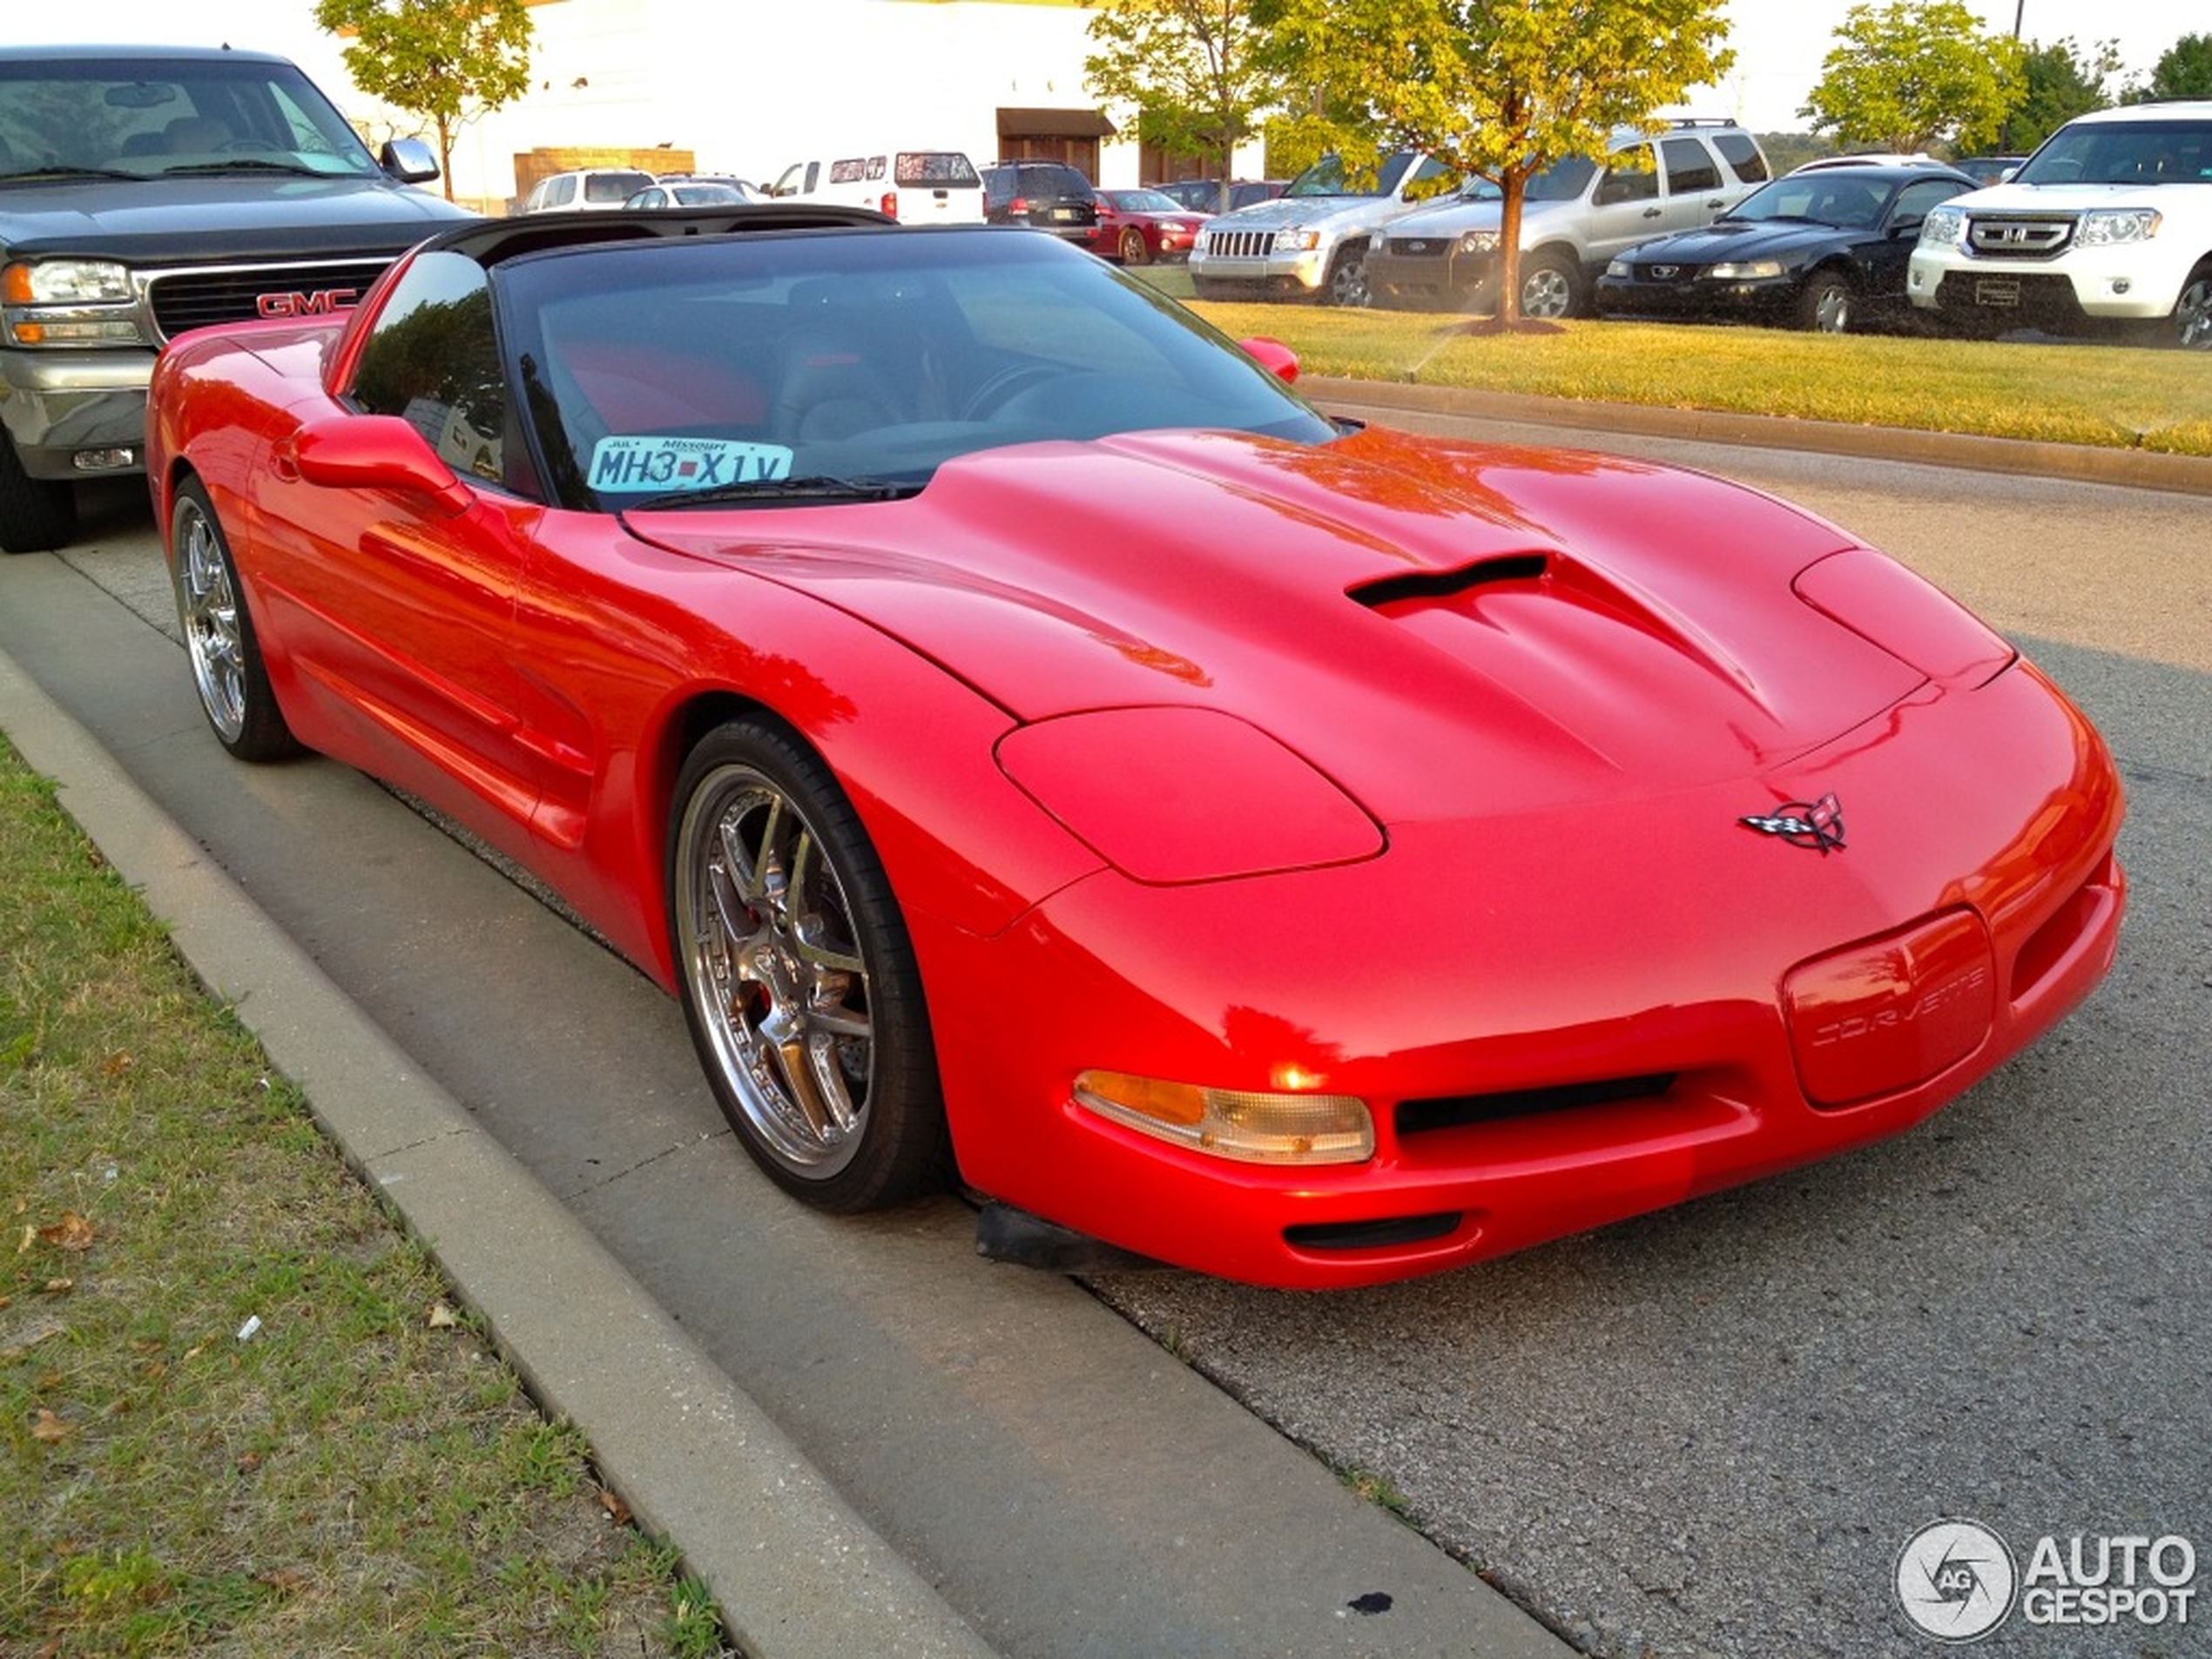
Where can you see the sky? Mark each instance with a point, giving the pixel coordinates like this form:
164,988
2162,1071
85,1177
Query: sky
1778,43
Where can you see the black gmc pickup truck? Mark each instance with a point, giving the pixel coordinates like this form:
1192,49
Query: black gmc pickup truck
146,191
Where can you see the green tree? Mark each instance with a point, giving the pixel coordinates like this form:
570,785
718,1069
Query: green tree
1189,67
2184,71
449,60
1906,75
2057,82
1503,90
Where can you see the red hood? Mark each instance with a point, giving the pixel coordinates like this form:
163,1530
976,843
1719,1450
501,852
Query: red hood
1442,628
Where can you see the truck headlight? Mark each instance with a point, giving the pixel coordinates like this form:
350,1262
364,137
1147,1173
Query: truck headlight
2109,226
1297,241
69,302
1943,227
1478,241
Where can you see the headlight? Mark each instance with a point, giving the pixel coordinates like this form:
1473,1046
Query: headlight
65,282
69,302
1295,241
2109,226
1478,241
1744,270
1617,268
1235,1123
1944,228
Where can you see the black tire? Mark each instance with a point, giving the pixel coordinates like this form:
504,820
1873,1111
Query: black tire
36,515
1828,304
2190,326
1551,286
797,977
1133,249
1347,283
220,638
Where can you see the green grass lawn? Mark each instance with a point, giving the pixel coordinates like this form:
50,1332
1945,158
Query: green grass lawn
2090,393
239,1411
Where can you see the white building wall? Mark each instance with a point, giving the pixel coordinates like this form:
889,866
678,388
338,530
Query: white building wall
750,86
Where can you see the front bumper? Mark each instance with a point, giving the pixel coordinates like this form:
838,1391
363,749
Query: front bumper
59,406
1602,1023
2102,284
1449,281
1761,300
1259,275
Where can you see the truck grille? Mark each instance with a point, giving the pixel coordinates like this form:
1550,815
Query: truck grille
194,298
1417,247
1239,245
2019,239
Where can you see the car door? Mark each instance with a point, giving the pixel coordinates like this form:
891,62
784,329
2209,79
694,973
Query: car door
1694,191
1885,261
403,601
1626,205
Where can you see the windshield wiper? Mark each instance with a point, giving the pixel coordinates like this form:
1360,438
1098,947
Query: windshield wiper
818,487
71,172
244,164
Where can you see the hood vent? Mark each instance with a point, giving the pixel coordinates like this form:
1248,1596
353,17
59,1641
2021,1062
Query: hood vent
1427,586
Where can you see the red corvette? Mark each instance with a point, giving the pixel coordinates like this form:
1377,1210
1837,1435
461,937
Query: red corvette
1038,747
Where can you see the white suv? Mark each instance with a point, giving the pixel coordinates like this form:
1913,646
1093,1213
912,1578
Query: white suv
2109,223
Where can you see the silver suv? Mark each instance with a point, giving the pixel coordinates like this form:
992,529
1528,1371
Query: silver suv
2107,225
1576,216
1311,241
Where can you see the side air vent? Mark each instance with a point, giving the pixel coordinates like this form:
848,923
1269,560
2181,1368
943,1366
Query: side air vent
1457,1112
1422,586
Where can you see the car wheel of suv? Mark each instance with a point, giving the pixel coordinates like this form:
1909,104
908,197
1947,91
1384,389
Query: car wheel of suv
1825,304
2192,318
1549,287
1347,280
36,515
1133,249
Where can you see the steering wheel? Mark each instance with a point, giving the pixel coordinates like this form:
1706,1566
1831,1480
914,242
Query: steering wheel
1002,388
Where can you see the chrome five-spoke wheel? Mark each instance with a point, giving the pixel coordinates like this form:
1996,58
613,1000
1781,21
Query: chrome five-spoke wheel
219,636
797,979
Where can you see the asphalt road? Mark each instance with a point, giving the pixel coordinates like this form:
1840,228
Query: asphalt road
1708,1431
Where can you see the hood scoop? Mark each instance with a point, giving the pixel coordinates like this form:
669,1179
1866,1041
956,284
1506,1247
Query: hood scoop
1421,587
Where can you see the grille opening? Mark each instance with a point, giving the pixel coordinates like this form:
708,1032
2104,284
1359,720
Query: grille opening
1444,584
1457,1112
1394,1232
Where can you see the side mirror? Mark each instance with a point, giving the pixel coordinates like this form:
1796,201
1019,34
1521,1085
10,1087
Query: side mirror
1906,229
408,160
1274,357
375,452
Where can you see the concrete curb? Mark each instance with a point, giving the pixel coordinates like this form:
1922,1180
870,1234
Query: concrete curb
2138,468
804,1577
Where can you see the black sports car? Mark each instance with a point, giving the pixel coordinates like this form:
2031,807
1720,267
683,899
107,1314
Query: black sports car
1824,247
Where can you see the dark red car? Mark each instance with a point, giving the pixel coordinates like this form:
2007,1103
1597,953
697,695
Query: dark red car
1042,750
1137,226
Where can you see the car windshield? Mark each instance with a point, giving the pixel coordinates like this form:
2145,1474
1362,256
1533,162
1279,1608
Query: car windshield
2149,151
142,118
1143,201
1822,197
815,367
1331,177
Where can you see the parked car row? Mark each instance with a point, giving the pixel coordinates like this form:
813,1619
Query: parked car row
2107,227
